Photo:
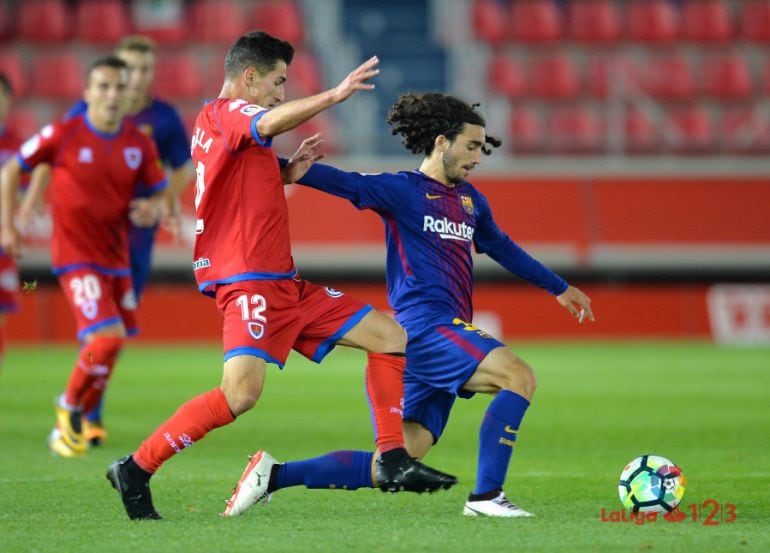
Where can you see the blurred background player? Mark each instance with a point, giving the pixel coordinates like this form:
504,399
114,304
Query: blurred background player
157,119
434,218
9,276
243,259
98,161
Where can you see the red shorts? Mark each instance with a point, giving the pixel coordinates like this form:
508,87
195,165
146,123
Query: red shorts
269,318
99,300
9,285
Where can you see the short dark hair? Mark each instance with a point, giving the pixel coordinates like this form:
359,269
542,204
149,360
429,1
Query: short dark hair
259,50
136,43
5,84
420,117
110,60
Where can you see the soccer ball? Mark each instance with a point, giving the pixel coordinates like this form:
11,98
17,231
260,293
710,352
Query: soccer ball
651,484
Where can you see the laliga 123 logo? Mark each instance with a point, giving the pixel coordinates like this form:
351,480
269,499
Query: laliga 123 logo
651,487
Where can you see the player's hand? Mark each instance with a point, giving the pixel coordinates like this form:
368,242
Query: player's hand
10,240
308,153
577,303
173,224
144,212
357,80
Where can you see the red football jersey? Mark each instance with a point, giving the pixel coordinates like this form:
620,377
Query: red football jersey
242,227
93,179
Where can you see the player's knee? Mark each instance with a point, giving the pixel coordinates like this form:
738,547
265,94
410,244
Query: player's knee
394,338
241,399
520,379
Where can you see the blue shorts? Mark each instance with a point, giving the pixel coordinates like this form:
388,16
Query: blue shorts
140,243
440,360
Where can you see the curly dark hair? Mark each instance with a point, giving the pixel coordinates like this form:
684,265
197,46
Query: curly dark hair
420,118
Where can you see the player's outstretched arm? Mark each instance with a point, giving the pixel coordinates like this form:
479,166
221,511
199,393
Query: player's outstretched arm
577,303
10,175
291,114
146,212
308,153
33,198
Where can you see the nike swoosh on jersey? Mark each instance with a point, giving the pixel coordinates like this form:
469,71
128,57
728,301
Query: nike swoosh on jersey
510,430
432,197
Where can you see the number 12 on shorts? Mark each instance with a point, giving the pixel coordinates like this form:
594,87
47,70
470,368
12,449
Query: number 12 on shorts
252,309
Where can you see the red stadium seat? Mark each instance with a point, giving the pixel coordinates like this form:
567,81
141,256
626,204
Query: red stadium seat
576,129
59,76
755,20
594,21
178,76
280,18
535,21
44,21
554,76
766,77
490,21
507,76
101,21
13,66
727,77
669,77
5,21
745,130
706,21
217,21
690,130
641,135
304,76
526,130
608,74
652,20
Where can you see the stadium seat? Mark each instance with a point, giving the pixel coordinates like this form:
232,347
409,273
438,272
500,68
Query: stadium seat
304,78
217,21
608,74
58,76
755,20
13,66
178,76
554,76
5,21
507,76
706,21
576,129
526,130
101,21
744,130
535,21
44,21
727,77
641,136
490,21
652,20
280,18
669,77
594,21
690,130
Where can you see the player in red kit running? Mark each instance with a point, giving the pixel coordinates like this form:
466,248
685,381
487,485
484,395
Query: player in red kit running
97,160
9,276
243,259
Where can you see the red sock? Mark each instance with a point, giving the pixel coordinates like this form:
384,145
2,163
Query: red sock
93,367
190,423
385,390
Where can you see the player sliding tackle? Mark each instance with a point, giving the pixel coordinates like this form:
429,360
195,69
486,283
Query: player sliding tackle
243,259
434,218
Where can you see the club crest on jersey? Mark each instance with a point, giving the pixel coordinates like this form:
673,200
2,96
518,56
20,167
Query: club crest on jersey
86,155
133,157
467,204
256,330
332,293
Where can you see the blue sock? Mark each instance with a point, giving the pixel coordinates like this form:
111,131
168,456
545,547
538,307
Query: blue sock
95,415
338,470
497,437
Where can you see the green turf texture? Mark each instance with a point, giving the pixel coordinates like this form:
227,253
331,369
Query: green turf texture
597,406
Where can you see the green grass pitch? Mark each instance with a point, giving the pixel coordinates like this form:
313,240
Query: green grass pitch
598,405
